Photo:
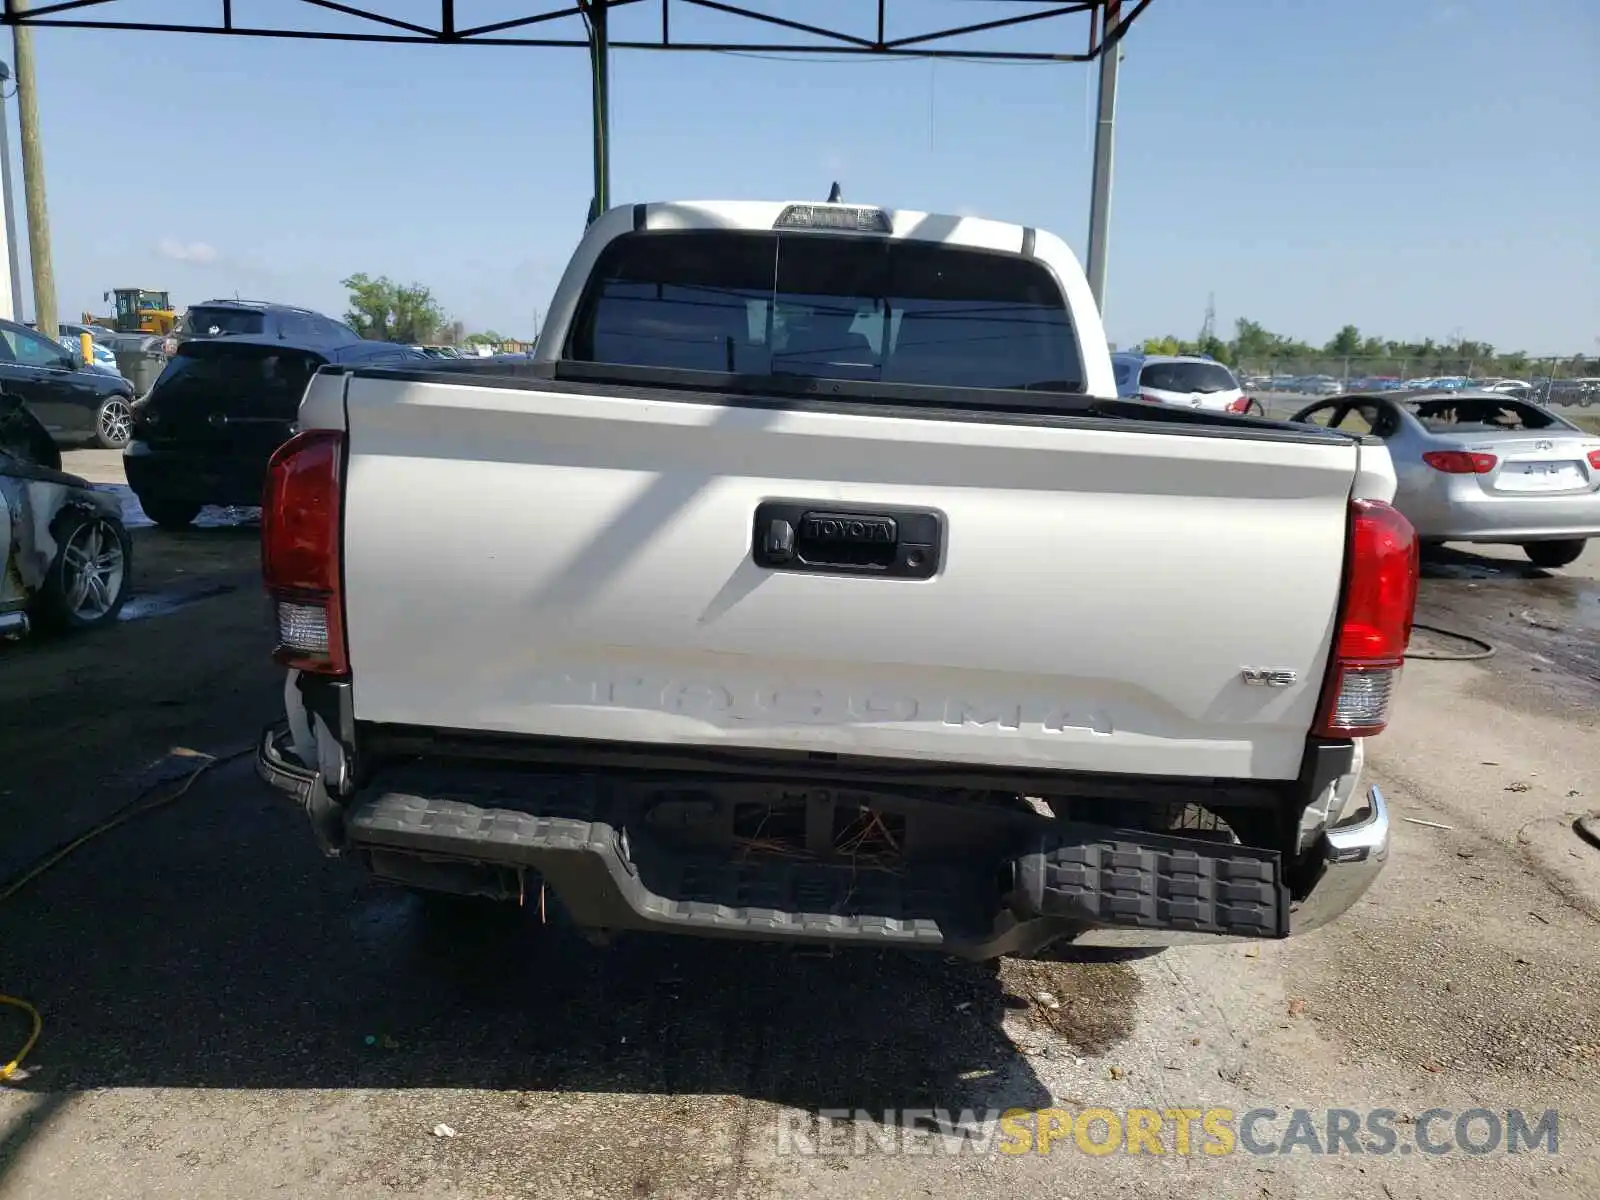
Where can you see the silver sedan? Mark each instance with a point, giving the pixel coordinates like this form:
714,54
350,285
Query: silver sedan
1478,466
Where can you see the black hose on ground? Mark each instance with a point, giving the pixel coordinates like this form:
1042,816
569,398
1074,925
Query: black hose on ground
1588,828
1485,649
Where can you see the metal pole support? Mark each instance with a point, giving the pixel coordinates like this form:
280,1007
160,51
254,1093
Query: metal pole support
1104,144
11,302
597,14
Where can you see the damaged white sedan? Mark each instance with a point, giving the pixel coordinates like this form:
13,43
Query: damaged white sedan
67,556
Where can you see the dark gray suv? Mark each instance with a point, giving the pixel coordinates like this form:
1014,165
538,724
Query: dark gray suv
260,319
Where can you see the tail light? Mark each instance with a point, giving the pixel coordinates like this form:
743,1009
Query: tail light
300,525
1594,459
1241,405
1460,462
1150,398
1374,629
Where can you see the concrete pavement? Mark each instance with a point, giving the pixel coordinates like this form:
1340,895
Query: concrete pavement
227,1014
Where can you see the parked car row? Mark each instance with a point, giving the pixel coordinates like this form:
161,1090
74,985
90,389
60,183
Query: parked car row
1582,392
226,397
1310,385
78,401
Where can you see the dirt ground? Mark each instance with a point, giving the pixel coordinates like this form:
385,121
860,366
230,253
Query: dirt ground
228,1014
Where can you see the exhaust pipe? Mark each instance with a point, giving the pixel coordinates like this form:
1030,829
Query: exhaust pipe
13,624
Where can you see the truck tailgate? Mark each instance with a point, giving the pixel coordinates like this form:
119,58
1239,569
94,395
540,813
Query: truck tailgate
532,559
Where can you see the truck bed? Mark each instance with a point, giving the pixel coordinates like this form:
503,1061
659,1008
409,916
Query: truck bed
1091,592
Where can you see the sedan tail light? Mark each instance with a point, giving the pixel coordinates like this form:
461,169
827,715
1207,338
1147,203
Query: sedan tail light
1460,462
1594,459
1375,615
1242,404
1150,398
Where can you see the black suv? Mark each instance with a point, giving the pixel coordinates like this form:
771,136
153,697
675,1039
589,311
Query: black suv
219,409
260,319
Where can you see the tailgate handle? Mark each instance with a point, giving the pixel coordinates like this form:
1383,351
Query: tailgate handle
818,537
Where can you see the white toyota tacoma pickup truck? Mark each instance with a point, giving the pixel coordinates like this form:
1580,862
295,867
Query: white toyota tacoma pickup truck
811,583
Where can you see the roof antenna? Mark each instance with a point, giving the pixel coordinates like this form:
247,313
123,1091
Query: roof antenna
834,196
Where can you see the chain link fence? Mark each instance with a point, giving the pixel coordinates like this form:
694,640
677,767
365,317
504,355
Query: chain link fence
1572,380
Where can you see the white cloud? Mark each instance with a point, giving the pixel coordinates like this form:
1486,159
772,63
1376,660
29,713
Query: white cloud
191,252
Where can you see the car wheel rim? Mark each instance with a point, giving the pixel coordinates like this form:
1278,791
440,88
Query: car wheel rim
93,569
116,421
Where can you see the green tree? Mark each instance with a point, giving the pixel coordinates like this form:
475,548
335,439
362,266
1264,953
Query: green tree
1345,344
1163,345
1253,343
1251,340
487,338
386,311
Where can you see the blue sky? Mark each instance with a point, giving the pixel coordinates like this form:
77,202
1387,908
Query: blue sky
1417,167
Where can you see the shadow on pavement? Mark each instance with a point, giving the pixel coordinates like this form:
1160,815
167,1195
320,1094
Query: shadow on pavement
23,1125
209,946
1455,562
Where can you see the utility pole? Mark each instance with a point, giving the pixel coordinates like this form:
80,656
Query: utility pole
11,294
44,276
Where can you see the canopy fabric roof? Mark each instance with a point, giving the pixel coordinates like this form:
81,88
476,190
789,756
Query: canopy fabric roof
1078,30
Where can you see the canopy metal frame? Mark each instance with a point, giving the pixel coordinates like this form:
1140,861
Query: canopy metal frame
587,25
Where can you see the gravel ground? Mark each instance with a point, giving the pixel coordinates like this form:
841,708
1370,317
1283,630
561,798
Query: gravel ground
227,1014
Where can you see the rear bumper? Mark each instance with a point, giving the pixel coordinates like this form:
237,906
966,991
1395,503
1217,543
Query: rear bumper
488,833
194,475
1349,859
1500,537
1459,515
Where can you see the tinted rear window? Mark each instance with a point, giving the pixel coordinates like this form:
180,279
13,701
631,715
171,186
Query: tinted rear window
239,377
223,322
829,307
1187,377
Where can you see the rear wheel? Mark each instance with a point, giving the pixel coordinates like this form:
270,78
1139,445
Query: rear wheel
113,423
1254,409
88,581
169,514
1554,554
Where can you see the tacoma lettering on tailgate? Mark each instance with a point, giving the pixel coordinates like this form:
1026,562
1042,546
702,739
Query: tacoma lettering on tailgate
718,702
